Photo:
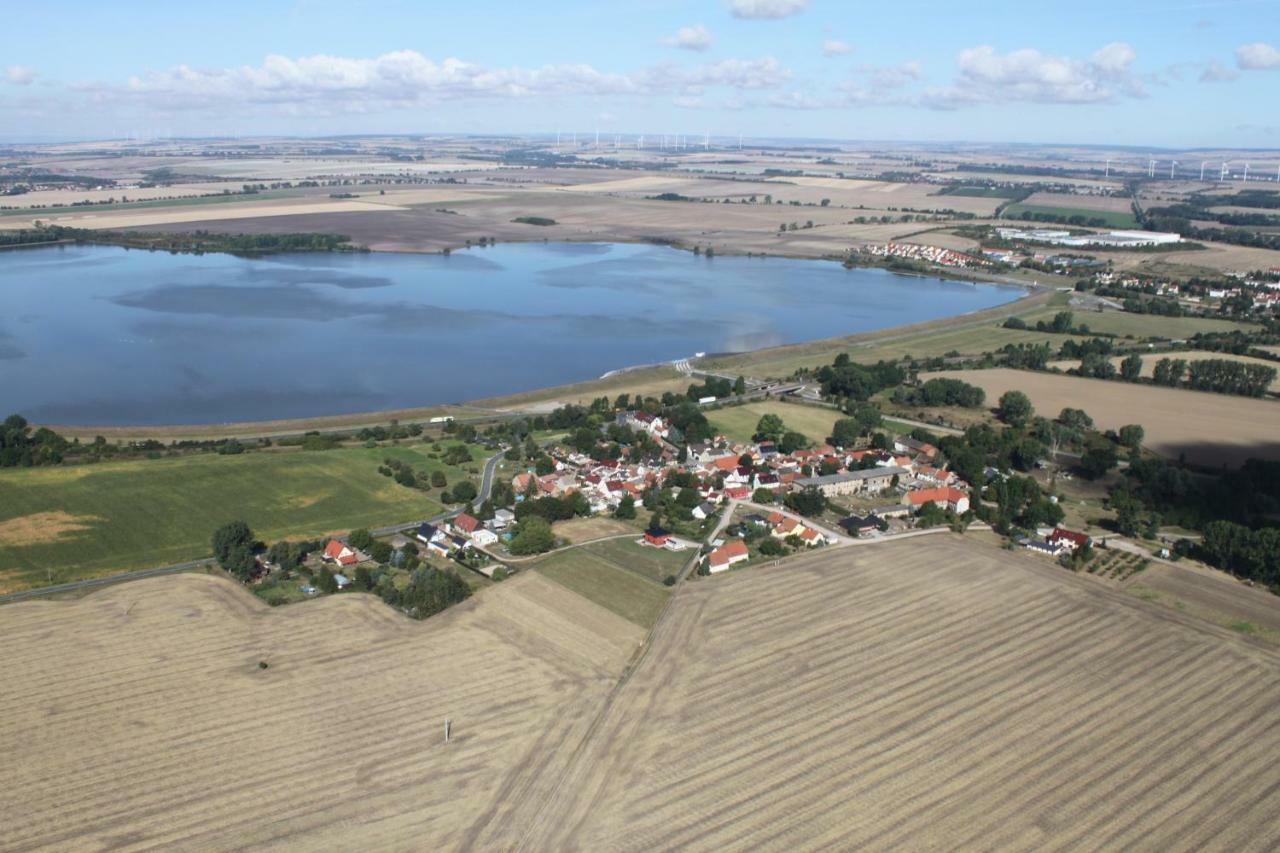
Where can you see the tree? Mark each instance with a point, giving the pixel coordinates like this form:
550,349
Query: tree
1015,408
464,491
1098,460
626,507
380,551
360,539
1131,436
771,547
740,386
1131,368
438,479
233,545
769,428
808,501
763,496
791,441
326,582
533,536
1075,419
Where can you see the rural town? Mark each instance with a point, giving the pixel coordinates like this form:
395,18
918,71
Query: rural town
732,425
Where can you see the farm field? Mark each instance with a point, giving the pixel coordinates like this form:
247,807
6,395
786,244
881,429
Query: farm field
85,520
931,694
158,729
580,530
616,578
1213,596
1126,324
1210,429
739,422
1113,219
1149,361
1092,203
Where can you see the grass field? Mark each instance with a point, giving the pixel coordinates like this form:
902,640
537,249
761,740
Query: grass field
927,695
614,576
1113,218
739,422
980,191
85,520
1126,324
1209,429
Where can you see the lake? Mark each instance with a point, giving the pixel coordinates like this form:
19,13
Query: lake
96,335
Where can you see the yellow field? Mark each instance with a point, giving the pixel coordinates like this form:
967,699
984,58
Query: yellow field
934,694
149,724
1210,429
739,422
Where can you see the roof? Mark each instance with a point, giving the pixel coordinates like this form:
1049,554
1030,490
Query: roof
847,476
426,530
465,521
734,548
657,533
857,522
949,494
1070,535
340,552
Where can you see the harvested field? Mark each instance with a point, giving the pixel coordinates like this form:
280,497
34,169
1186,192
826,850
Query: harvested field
1110,218
927,695
1212,595
1210,429
149,724
1149,361
1128,324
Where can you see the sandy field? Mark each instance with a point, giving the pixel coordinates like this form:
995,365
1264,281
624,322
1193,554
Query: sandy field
55,198
148,723
187,215
933,694
1083,202
1218,257
1149,362
1211,429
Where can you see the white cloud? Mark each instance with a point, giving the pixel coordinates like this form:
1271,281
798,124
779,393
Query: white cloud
893,77
766,9
20,75
696,37
985,76
1216,72
1257,56
326,84
835,47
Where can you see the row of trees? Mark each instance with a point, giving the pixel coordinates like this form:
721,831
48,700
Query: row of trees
22,447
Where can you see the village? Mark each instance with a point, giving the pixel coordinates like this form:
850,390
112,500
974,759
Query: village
726,502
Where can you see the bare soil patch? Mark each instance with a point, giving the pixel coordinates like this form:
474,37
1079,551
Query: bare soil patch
579,530
43,527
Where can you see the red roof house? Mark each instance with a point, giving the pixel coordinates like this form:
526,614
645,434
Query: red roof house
1070,538
466,523
733,551
341,553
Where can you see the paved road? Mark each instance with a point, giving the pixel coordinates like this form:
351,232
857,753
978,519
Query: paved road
486,488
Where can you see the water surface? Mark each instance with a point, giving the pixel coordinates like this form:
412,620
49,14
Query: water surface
107,336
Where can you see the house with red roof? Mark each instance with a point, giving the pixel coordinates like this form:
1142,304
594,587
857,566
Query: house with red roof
466,523
731,552
946,497
657,536
1069,539
341,553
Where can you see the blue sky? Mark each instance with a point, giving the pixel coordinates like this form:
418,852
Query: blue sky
1108,72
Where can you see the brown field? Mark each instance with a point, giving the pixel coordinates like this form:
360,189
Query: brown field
923,694
1082,202
1149,361
1211,595
1217,257
936,694
148,723
1210,429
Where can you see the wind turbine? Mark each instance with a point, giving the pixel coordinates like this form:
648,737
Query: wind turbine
1246,173
706,141
1151,168
1203,163
1172,165
1222,175
1107,173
